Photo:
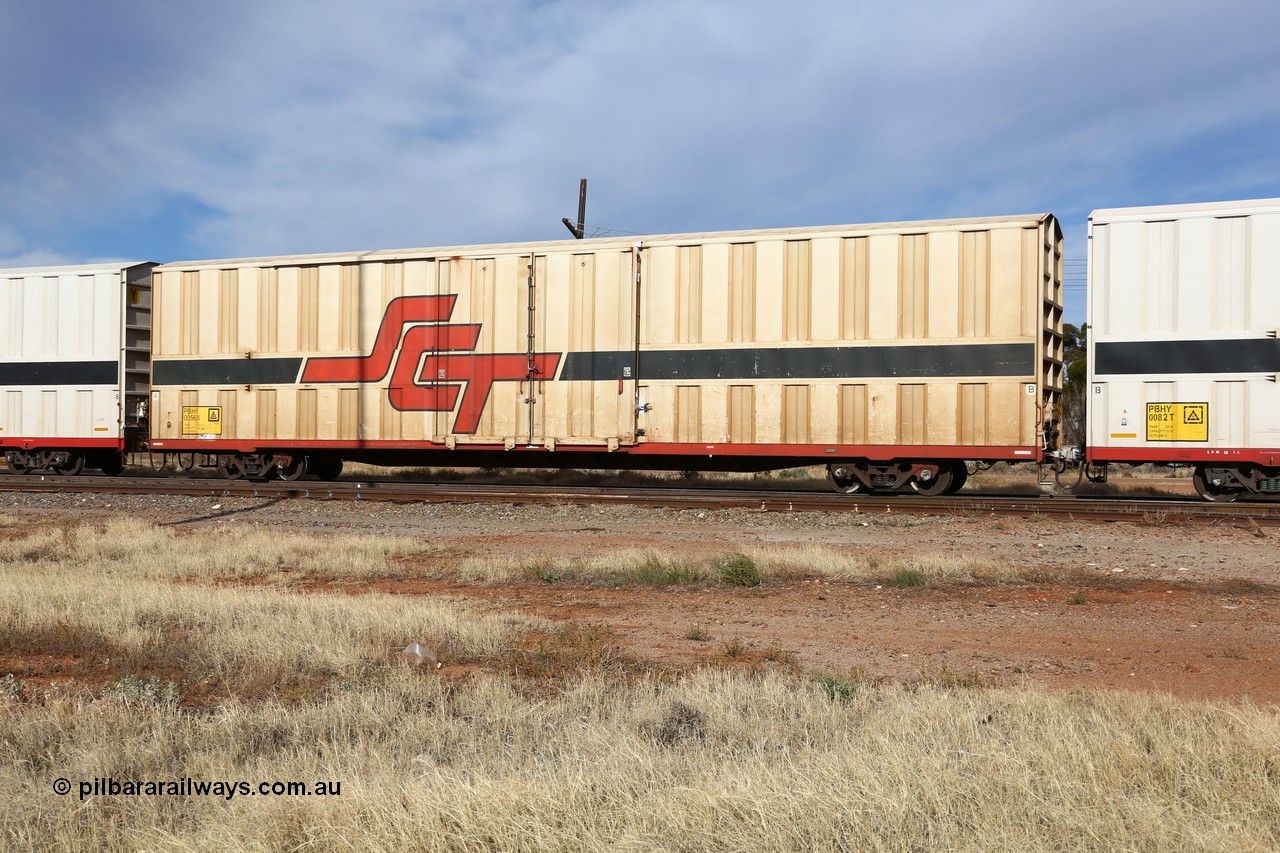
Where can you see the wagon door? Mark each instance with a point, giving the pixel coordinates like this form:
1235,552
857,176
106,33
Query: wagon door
506,397
482,369
581,354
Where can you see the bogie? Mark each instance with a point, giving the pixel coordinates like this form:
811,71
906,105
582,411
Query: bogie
1222,484
929,478
67,462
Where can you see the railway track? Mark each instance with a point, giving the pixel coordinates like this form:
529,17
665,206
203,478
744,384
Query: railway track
1111,508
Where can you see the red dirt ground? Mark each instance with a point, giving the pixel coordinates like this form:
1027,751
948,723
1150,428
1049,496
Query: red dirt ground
1168,637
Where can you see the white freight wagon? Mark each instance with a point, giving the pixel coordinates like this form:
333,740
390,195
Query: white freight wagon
74,365
1184,310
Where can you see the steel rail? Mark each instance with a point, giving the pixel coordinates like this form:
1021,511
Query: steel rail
1148,510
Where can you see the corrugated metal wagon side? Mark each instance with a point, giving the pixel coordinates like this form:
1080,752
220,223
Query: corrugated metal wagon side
1184,311
74,365
905,348
891,352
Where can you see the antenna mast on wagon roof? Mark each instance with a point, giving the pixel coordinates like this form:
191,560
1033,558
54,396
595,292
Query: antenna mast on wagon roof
576,230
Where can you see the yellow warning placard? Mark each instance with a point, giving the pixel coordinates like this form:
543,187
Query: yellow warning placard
1177,421
202,420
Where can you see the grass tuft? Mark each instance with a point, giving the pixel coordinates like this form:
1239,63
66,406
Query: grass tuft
733,649
948,679
655,571
132,690
910,577
738,569
840,688
681,724
10,687
697,633
570,651
549,571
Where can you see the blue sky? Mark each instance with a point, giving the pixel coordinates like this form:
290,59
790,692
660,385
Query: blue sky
168,131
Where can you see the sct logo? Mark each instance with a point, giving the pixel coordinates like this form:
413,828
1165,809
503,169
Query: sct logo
431,366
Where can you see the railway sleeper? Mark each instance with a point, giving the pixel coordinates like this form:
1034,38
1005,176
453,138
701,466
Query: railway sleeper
925,477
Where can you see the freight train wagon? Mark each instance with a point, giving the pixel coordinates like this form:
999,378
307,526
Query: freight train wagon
74,370
1184,311
890,353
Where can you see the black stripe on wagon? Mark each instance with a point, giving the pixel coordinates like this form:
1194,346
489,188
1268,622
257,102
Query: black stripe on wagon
807,362
59,373
226,371
1256,355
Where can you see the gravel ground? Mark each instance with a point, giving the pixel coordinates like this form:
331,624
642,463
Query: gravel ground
1169,551
1185,609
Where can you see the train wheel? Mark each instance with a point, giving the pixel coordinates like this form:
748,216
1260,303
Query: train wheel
111,465
231,467
1211,491
842,479
325,468
295,470
959,476
18,465
74,465
940,484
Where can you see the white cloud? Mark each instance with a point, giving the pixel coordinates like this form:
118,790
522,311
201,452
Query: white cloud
9,239
314,127
36,258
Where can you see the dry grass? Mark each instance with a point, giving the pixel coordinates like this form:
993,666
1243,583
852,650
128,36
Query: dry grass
1152,470
1116,487
714,762
770,564
228,552
212,553
1003,485
1003,479
711,761
775,563
119,600
625,565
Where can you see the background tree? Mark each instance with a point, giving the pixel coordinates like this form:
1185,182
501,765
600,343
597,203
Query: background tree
1075,397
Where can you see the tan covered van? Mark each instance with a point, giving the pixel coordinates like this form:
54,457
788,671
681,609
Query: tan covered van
891,352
